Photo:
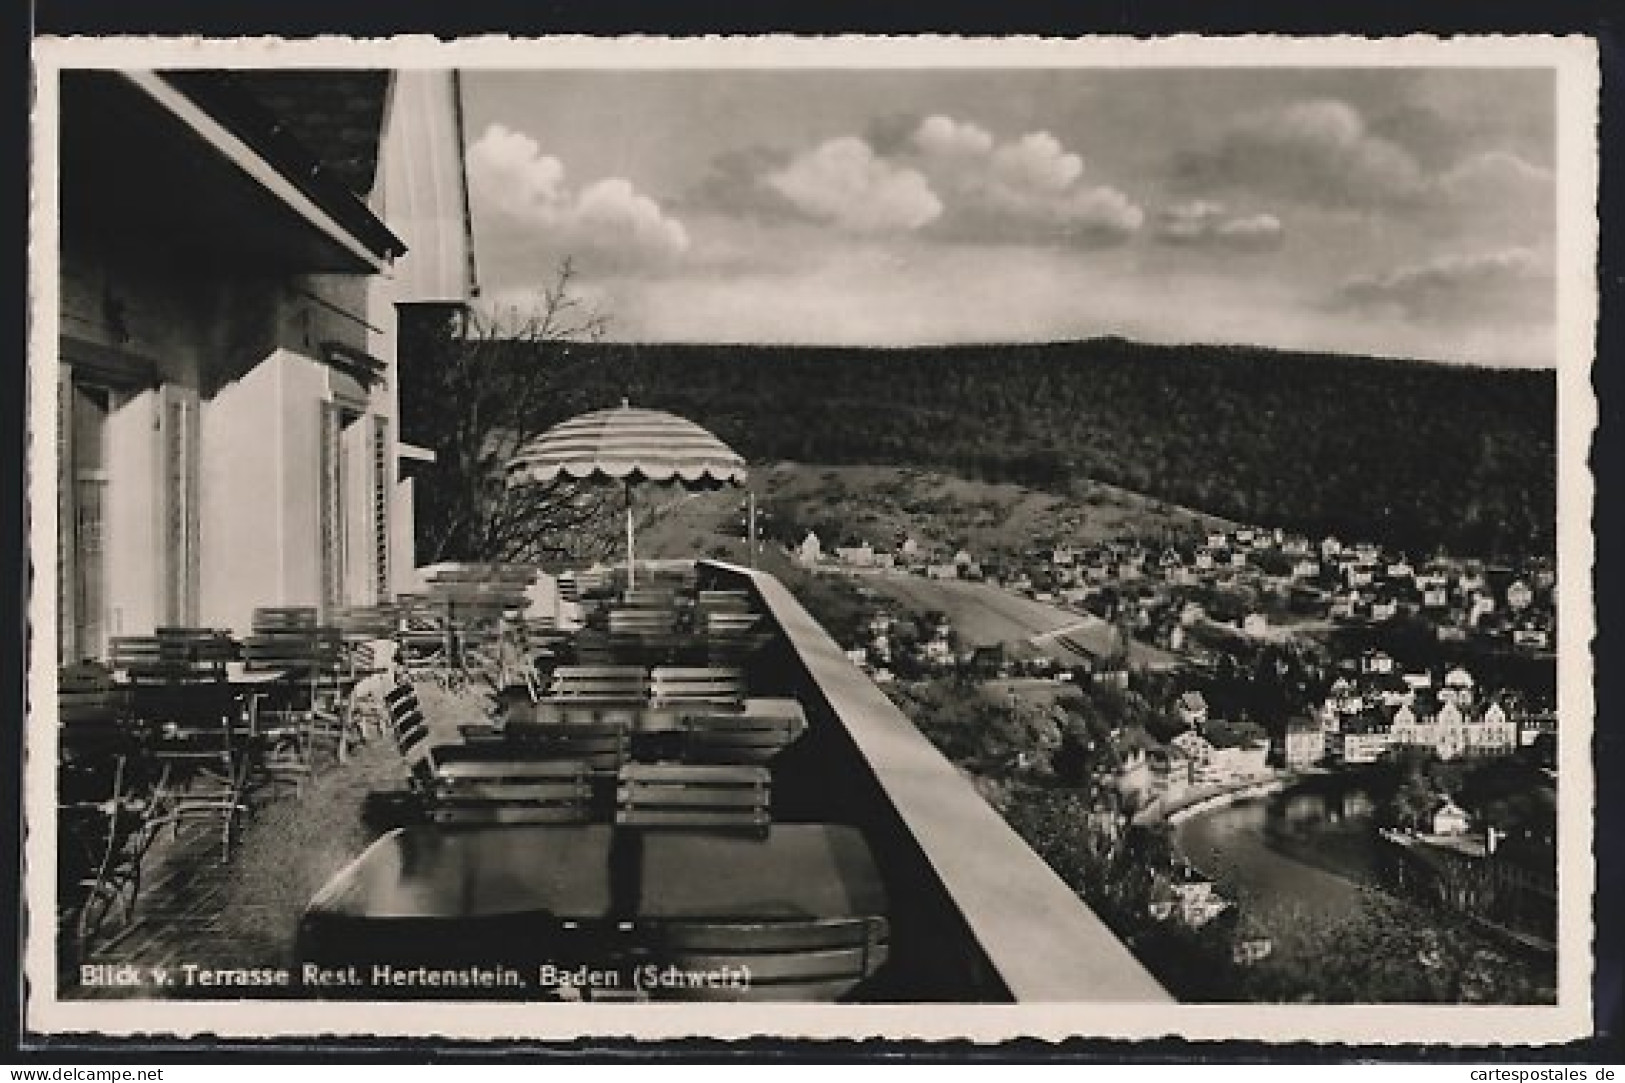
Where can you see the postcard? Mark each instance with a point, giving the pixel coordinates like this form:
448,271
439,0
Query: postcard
906,538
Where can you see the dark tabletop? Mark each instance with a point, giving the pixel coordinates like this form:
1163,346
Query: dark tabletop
594,872
645,718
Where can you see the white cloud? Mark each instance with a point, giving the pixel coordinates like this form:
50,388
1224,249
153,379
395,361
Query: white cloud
1319,151
1030,188
1322,152
1189,221
1496,179
1036,162
512,174
1495,284
607,223
946,137
1254,227
1204,223
947,178
844,182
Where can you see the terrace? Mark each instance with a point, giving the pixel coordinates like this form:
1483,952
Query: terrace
971,913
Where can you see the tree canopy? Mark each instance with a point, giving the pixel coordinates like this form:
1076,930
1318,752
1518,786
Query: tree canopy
1417,455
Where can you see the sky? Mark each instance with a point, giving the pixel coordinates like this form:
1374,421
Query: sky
1398,212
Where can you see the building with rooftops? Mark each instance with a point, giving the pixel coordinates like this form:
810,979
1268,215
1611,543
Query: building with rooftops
236,248
1303,743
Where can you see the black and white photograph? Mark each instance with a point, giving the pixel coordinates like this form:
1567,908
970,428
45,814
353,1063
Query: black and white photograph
857,537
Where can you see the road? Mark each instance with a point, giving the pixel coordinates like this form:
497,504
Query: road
984,615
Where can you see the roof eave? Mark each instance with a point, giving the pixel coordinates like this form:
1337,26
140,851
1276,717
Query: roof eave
375,250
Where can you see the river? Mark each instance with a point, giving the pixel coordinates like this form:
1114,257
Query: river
1312,864
1303,868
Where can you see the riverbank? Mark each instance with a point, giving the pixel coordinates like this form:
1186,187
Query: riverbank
1304,869
1199,799
1449,888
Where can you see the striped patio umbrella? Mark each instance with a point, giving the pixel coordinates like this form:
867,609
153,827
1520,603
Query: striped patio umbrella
630,446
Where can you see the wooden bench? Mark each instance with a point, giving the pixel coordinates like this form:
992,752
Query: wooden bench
800,959
126,652
164,659
678,685
587,584
599,684
650,598
487,783
305,652
604,746
284,618
723,601
422,641
687,795
369,621
746,738
91,708
91,713
151,659
729,622
732,637
526,791
206,646
321,676
642,622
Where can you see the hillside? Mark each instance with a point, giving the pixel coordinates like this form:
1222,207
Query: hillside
1414,454
880,504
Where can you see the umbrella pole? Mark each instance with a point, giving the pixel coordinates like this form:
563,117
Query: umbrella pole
631,562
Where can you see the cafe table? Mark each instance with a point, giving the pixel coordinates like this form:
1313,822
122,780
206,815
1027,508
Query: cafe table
207,711
584,897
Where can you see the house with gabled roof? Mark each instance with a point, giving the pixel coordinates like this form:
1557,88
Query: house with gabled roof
811,549
237,250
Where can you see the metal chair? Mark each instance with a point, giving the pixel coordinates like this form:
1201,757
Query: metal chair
203,751
107,820
104,804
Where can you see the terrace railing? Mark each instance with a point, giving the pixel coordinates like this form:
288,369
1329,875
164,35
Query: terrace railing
976,915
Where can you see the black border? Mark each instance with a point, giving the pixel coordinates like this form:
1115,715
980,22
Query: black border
308,18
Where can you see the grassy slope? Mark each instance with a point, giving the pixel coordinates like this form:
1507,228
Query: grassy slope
879,503
882,503
1412,454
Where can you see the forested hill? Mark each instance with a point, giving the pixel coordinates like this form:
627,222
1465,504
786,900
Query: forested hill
1416,454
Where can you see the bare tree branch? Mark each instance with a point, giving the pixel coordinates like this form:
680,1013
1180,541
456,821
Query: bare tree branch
488,380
